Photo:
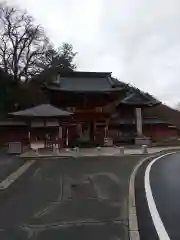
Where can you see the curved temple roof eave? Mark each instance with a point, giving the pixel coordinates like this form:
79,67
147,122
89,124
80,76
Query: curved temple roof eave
140,99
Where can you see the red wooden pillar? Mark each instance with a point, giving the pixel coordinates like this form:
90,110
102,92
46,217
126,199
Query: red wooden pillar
29,137
94,130
45,137
67,136
29,133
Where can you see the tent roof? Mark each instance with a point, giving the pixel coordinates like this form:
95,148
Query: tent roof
43,110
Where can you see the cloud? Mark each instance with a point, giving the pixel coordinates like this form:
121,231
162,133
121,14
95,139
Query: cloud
137,40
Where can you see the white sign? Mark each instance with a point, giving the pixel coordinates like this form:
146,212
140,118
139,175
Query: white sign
14,147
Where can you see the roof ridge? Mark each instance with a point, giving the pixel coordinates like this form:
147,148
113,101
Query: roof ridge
84,74
42,110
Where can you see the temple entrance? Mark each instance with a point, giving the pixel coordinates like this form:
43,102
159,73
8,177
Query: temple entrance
44,137
82,134
85,132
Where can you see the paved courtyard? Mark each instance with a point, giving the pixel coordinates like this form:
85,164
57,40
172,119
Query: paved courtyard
84,198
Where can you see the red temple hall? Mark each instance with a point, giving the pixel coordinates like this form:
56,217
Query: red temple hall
88,109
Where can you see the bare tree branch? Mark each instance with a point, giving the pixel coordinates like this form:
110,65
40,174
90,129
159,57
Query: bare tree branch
20,43
25,50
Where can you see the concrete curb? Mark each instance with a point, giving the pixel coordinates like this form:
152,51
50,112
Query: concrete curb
15,175
87,155
133,224
42,157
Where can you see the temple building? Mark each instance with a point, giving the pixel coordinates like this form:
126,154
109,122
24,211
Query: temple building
89,109
132,122
107,108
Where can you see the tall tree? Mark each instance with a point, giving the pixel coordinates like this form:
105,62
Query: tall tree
61,58
25,50
25,54
56,61
22,43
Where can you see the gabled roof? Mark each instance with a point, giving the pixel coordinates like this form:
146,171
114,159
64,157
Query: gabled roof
138,98
43,110
86,82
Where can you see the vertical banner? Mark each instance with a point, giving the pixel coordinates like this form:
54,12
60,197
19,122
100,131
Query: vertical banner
139,121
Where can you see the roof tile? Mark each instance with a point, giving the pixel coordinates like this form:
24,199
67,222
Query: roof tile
43,110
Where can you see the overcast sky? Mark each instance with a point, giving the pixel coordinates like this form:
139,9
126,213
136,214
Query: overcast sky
137,40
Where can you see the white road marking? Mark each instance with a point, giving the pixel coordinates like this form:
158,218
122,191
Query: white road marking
160,229
36,172
15,175
43,211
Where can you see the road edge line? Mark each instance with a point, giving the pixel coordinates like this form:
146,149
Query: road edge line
132,216
133,225
156,218
15,175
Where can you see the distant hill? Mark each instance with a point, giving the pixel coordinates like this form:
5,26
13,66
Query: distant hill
13,97
166,113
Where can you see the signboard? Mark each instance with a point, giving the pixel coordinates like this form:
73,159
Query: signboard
49,123
37,124
108,142
14,147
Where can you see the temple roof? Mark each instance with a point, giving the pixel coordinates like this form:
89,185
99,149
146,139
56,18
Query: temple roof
43,110
139,98
86,82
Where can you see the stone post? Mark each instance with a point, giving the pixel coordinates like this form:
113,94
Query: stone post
140,139
139,122
144,149
121,150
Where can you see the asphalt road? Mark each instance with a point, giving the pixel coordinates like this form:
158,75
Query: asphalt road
8,164
84,198
162,221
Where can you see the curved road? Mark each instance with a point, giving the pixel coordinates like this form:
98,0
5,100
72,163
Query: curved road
157,187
